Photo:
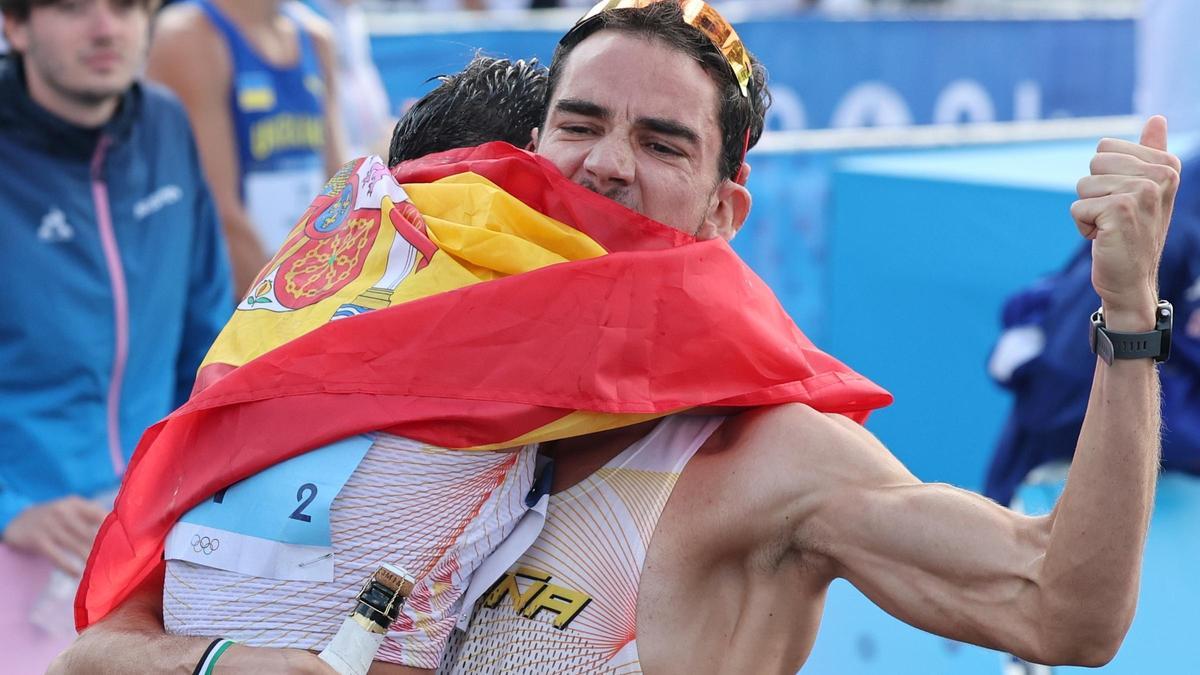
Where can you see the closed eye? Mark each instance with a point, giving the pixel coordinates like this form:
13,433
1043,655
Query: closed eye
663,149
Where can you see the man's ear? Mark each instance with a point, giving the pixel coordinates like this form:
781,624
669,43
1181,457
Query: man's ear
533,140
731,205
14,32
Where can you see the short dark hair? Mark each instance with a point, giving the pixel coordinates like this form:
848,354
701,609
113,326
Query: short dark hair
664,21
489,100
20,9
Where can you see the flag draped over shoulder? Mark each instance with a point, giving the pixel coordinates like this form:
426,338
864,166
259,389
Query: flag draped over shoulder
487,302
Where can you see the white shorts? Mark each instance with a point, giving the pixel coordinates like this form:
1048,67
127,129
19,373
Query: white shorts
436,512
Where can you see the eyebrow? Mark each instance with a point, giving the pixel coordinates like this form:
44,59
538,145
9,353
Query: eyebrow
662,125
670,128
578,106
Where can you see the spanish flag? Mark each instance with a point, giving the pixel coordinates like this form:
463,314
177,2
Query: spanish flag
475,299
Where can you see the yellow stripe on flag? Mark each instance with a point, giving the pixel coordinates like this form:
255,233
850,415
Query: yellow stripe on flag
483,225
577,423
481,233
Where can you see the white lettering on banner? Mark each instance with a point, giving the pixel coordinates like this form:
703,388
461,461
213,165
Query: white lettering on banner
963,101
871,104
875,104
787,109
1027,101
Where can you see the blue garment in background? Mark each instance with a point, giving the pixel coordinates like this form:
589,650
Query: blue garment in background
71,409
1051,388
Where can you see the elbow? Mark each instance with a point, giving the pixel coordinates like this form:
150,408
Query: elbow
1089,644
1084,622
1090,653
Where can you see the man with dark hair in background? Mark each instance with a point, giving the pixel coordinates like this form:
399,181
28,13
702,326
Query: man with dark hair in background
117,284
702,543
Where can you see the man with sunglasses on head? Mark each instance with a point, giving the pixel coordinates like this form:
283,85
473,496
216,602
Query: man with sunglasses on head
706,543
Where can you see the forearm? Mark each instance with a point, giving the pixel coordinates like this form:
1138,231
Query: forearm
1093,560
120,652
111,651
132,640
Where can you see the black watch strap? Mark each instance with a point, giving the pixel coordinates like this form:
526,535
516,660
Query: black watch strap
1155,344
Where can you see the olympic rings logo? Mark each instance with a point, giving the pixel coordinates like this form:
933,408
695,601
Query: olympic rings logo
205,545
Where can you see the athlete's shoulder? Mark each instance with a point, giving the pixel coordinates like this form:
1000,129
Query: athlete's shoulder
785,428
181,32
185,28
756,478
183,19
792,453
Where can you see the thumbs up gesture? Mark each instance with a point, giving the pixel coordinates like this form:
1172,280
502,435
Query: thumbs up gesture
1124,208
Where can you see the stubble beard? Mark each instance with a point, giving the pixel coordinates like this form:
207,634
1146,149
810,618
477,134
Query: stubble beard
620,195
53,75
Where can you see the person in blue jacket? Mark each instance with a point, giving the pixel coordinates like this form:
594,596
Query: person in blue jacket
1039,357
114,271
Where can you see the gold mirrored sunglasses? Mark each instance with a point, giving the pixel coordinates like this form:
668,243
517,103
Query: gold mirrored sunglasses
698,15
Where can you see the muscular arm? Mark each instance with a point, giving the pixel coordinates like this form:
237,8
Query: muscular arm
1049,589
131,640
204,85
1055,589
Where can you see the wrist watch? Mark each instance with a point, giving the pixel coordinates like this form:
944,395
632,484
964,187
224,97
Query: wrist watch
1155,344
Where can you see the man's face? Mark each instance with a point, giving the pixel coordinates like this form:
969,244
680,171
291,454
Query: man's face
85,51
636,121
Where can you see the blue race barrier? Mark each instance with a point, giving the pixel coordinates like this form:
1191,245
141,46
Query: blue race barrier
923,249
1160,638
865,73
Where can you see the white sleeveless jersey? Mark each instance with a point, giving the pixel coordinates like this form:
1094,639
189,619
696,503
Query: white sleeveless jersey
569,604
439,513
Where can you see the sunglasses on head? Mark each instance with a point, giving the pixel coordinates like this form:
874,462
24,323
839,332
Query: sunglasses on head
698,15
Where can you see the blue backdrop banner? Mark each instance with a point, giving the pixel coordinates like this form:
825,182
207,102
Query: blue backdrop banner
866,72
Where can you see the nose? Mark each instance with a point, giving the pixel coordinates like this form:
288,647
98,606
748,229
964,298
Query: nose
105,19
610,162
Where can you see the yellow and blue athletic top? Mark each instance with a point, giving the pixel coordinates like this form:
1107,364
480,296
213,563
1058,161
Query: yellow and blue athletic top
278,117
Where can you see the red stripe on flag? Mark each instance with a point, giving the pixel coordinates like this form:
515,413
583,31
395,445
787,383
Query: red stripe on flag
664,330
162,485
648,331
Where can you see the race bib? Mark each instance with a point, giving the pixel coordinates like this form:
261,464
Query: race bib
275,200
274,524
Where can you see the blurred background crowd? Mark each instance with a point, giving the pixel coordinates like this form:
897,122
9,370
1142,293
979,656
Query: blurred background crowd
910,212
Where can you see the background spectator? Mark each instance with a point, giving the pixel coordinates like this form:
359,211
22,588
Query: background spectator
262,101
113,239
